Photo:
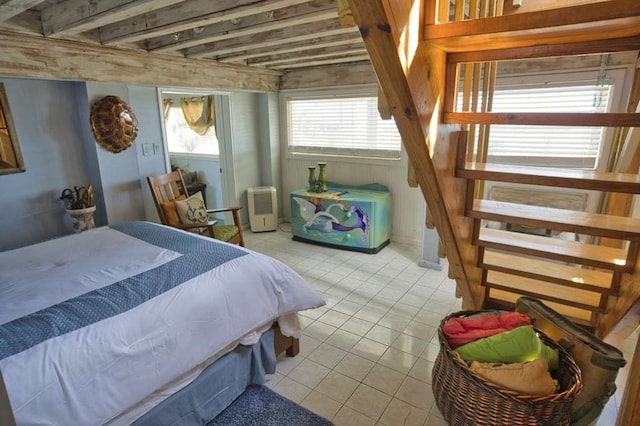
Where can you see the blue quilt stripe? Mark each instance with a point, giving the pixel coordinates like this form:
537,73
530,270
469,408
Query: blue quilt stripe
198,256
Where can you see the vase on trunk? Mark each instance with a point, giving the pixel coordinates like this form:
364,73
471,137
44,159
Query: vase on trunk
312,179
322,177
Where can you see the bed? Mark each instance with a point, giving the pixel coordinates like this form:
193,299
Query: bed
116,323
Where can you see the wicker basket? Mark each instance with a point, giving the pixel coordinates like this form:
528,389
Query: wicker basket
466,399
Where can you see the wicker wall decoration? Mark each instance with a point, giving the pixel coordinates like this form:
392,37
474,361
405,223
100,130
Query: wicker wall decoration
113,123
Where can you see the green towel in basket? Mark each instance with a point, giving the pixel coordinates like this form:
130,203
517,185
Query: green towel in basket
518,345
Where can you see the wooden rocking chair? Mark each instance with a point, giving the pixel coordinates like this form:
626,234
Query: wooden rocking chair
169,189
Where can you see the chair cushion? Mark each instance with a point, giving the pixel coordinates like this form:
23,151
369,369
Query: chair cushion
192,211
170,211
225,232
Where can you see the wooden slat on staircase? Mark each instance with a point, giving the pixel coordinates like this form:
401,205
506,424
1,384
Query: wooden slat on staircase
553,176
624,228
583,299
508,300
554,248
558,273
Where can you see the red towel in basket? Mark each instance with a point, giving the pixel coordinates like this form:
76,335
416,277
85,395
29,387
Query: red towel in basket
460,331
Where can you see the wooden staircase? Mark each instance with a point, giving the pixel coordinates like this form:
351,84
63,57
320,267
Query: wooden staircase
575,278
416,50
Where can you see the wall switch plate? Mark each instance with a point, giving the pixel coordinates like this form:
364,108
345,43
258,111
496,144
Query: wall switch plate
157,149
147,149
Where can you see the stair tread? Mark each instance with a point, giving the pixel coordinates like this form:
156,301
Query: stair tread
551,218
582,315
555,248
543,289
540,268
551,176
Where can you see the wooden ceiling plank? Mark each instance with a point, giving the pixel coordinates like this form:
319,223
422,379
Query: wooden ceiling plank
281,36
187,15
314,43
226,30
11,8
326,52
76,16
583,15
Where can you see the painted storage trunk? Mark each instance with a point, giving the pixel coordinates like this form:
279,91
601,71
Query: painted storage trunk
348,217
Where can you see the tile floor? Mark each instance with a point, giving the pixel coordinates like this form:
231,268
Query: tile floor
366,357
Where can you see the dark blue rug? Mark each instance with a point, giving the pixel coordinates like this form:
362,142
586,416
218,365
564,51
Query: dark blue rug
260,406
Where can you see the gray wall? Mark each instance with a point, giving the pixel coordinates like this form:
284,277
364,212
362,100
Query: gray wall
246,145
52,123
48,130
152,161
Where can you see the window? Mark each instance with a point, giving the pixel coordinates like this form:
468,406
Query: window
578,146
341,126
556,146
183,140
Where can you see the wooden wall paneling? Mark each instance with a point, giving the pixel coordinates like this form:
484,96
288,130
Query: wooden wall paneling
30,57
416,96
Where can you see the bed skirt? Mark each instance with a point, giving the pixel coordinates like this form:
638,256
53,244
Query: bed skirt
217,386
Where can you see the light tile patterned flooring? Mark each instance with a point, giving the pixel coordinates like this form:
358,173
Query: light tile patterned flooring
366,357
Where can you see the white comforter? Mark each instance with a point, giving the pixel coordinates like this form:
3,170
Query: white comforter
90,375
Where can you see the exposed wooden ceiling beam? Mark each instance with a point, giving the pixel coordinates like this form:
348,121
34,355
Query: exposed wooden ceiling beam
282,18
327,52
281,36
613,19
186,15
54,59
75,16
330,75
314,43
11,8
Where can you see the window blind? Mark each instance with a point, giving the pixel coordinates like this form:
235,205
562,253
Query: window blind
582,144
341,125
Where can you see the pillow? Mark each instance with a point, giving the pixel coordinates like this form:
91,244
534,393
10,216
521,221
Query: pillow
531,378
170,212
192,211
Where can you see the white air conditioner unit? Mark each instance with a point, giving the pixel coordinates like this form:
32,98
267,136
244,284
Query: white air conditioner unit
263,208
